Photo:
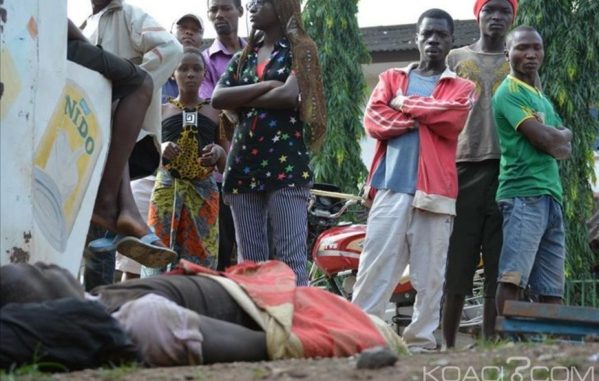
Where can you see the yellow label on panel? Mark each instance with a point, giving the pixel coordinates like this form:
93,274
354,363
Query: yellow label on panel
10,80
64,161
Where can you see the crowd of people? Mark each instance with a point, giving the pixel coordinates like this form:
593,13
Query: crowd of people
465,167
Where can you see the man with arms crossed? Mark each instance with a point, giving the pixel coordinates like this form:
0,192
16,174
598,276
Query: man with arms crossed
416,114
532,139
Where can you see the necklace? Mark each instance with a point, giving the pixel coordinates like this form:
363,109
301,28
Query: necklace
190,115
178,104
185,164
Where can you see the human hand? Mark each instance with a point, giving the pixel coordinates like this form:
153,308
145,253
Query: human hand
397,102
563,146
210,155
273,83
566,133
169,150
232,115
291,83
289,91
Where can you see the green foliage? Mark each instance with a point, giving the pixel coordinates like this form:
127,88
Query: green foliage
570,78
334,27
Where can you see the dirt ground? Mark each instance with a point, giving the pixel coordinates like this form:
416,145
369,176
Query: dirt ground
505,362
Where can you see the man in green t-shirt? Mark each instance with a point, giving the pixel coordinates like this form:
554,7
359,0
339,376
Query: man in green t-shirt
532,139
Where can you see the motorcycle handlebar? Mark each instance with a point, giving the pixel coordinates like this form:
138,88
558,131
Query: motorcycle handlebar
350,201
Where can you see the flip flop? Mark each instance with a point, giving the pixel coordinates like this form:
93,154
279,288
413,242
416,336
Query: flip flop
104,244
142,250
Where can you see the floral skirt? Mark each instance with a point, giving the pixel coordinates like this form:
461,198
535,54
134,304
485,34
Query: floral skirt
184,214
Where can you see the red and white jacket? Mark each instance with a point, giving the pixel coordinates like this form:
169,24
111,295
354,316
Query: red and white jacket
440,118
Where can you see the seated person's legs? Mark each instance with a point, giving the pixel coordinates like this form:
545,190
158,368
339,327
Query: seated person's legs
133,87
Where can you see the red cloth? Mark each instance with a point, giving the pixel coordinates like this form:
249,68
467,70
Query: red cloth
326,324
479,4
260,69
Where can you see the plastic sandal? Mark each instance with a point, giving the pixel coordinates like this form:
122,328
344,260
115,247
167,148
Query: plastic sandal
144,251
105,244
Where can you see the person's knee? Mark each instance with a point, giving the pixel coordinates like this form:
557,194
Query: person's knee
147,86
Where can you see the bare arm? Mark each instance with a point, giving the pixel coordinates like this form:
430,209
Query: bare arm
74,33
281,97
213,155
553,141
233,97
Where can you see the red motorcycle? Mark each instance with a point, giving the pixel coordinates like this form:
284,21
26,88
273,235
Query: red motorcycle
335,247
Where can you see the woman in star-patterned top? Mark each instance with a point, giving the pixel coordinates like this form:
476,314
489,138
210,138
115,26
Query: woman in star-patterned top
267,174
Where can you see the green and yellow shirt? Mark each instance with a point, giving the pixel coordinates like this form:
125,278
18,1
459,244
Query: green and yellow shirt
525,171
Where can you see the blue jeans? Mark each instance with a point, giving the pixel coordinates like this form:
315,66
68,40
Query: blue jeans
533,252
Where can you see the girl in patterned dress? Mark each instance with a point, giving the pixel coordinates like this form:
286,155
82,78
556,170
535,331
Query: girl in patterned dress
184,202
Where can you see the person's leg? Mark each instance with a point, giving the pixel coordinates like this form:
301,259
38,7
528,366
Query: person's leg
491,248
249,216
288,218
126,125
134,88
464,247
547,276
228,342
385,253
130,220
226,233
524,223
428,240
453,305
506,291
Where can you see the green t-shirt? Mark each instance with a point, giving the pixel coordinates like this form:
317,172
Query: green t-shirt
524,170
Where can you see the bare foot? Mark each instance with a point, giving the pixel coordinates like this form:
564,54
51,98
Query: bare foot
130,223
105,215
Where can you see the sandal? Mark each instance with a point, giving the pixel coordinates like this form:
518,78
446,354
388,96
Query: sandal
145,251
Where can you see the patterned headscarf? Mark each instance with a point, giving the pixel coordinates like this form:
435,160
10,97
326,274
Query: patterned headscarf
478,4
306,66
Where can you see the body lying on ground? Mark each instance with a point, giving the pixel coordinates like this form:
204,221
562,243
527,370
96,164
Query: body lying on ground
252,312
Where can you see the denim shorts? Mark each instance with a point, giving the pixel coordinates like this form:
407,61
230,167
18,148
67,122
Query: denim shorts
533,252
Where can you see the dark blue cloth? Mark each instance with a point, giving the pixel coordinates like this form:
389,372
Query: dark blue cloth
99,267
169,90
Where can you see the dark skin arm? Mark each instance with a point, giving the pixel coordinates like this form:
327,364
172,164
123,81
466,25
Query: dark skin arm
553,141
281,97
214,154
267,94
74,33
231,98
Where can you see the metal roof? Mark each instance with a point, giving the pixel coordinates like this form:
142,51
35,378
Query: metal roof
392,38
